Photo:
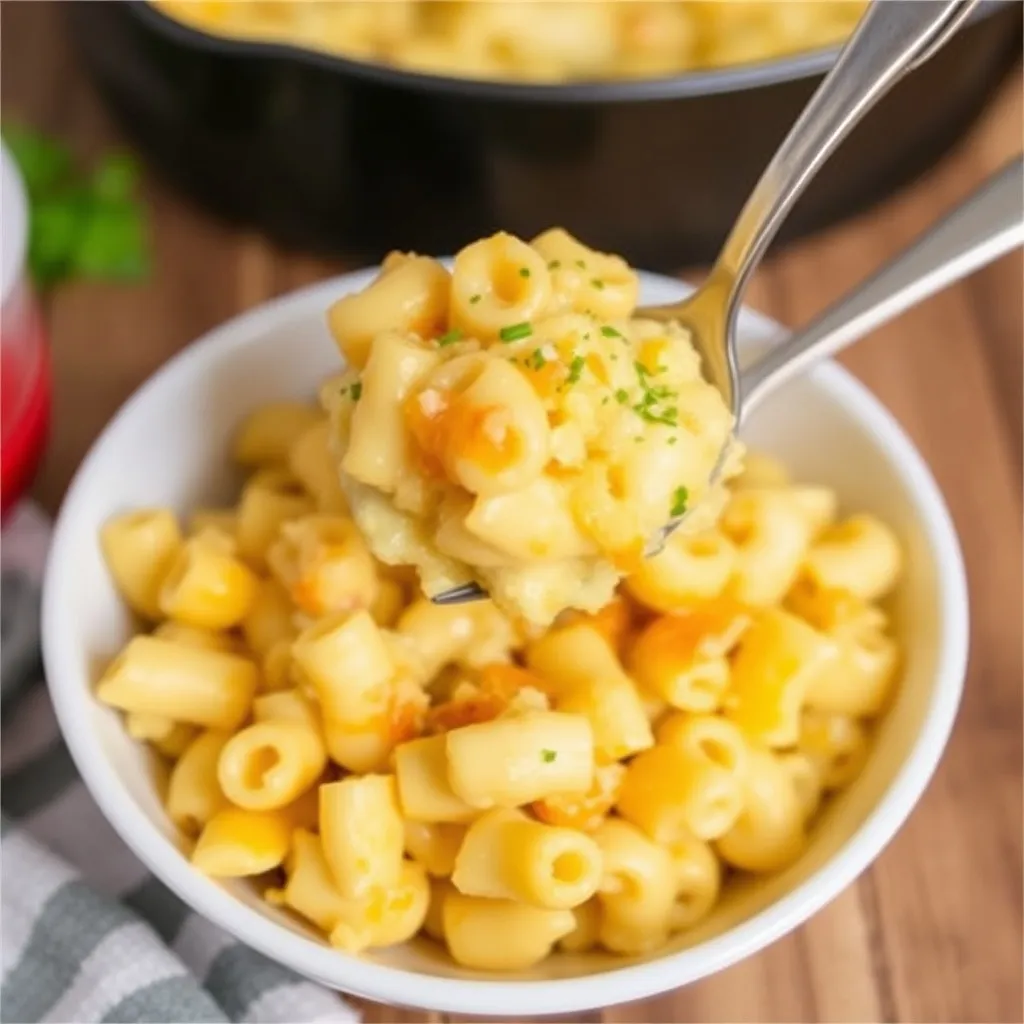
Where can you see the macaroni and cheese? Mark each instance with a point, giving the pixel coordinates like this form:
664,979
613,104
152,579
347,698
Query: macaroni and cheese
535,40
383,768
513,422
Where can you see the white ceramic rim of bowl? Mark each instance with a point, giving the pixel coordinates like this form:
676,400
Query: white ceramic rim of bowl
71,696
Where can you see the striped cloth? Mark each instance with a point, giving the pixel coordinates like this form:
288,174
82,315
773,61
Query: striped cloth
88,934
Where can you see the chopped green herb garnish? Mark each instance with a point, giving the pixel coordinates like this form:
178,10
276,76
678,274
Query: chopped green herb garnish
673,439
524,271
597,283
668,417
474,299
554,264
604,401
679,500
653,397
575,369
622,396
642,370
610,332
581,265
536,359
515,332
547,756
357,390
450,338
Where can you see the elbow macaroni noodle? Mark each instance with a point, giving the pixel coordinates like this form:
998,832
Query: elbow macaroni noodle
388,768
540,40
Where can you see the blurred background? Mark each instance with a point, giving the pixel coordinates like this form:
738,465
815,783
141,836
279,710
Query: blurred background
185,160
353,128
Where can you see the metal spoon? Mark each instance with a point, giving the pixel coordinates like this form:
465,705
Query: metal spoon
987,225
891,39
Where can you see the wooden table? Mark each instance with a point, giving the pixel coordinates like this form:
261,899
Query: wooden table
933,931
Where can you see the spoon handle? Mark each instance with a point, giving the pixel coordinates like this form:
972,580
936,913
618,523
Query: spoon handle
983,228
893,37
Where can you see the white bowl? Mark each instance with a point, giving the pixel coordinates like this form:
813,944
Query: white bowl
168,446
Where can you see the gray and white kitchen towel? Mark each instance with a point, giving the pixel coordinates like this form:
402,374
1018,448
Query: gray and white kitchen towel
88,933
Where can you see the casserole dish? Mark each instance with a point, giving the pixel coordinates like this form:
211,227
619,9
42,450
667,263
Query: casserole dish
354,159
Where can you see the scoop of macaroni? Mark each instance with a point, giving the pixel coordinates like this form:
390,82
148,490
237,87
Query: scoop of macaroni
515,423
385,768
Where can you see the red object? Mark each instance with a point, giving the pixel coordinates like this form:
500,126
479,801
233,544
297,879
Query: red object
24,396
24,356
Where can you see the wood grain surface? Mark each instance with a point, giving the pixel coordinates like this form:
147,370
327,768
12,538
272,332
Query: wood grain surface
932,932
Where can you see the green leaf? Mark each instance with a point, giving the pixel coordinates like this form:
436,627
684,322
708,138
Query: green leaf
44,163
116,177
89,225
56,226
112,243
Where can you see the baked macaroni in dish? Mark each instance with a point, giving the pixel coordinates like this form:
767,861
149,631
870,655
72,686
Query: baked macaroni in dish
534,40
514,422
382,767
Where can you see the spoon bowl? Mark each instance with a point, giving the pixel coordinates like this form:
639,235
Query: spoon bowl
984,227
890,41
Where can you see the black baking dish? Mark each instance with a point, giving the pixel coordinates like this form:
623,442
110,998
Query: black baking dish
355,159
